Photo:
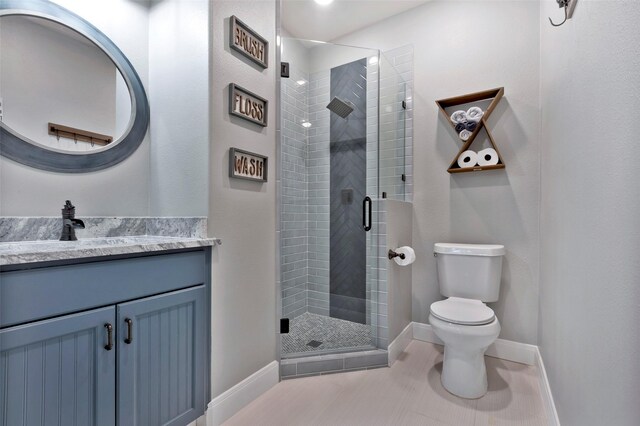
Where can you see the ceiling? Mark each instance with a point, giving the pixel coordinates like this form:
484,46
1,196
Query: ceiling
308,20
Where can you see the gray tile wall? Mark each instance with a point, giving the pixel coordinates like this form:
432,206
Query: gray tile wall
318,181
294,209
348,189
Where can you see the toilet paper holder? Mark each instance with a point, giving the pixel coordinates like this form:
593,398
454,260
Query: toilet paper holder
392,254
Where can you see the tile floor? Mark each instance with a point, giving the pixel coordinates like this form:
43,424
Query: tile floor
409,393
334,333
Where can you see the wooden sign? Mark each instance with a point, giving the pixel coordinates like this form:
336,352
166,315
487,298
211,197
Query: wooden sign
247,105
248,42
247,165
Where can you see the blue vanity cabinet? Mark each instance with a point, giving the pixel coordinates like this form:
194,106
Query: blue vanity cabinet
161,359
106,341
58,371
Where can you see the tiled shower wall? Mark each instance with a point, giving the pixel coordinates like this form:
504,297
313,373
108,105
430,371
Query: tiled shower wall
318,173
294,207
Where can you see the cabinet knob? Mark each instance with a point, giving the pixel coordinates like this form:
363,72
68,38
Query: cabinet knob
129,338
109,344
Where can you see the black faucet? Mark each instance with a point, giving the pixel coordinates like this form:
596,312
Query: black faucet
70,223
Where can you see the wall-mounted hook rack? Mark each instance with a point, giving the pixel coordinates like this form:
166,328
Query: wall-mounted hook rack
59,131
568,6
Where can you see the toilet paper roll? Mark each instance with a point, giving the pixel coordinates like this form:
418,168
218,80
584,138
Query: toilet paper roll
468,159
488,157
409,256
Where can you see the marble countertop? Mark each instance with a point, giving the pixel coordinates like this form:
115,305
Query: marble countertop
20,252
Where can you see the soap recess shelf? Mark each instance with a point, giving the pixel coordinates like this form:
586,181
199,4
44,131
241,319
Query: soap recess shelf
495,95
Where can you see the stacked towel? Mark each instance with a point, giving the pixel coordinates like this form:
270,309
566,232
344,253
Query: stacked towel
467,121
459,117
469,125
474,114
465,135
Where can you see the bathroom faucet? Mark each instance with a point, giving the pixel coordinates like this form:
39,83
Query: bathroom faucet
70,223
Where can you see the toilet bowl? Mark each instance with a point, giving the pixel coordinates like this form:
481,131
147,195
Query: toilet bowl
468,275
466,338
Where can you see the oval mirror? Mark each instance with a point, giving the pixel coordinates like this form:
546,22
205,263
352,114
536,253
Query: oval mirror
71,101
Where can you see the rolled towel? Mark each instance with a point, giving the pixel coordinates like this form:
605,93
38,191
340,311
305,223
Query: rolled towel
467,159
459,117
465,135
461,126
470,125
474,114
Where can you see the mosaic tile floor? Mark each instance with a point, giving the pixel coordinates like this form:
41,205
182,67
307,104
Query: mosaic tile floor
332,332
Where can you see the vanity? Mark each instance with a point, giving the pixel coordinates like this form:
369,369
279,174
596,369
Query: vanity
119,338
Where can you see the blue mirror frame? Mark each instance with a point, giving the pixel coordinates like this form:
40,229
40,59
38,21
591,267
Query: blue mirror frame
24,151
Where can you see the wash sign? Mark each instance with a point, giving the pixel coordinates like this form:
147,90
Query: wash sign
247,165
248,42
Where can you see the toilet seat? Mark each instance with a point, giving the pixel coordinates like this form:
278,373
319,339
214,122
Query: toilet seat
462,311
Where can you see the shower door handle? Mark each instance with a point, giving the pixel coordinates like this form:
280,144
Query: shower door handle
366,214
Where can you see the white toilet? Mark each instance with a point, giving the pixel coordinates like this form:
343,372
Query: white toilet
468,274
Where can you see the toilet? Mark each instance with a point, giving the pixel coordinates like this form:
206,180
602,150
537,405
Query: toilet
468,275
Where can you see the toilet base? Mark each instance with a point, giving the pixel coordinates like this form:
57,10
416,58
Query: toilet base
464,374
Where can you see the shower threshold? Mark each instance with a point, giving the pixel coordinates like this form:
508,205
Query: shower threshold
319,344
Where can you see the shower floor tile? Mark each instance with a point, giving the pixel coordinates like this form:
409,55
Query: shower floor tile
334,333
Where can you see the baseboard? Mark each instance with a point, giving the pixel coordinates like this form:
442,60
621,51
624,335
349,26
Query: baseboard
545,389
503,349
400,343
224,406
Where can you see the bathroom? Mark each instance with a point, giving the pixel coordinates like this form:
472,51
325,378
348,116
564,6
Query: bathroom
563,206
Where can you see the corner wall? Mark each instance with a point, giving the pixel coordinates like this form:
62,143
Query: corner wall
590,233
179,99
242,213
460,47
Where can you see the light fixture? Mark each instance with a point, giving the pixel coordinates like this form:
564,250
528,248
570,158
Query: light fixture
324,2
373,60
301,82
306,124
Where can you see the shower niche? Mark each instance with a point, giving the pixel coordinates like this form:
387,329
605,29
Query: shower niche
330,184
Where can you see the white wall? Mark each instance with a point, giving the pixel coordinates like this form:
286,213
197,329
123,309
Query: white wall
590,233
399,233
463,47
242,213
179,98
122,190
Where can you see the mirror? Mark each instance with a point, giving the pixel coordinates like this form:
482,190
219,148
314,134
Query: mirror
72,102
51,74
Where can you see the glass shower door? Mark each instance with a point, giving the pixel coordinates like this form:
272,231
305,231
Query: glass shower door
328,187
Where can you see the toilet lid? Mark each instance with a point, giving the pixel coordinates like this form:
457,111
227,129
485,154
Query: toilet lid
462,311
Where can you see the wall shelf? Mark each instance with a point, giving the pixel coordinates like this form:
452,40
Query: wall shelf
495,95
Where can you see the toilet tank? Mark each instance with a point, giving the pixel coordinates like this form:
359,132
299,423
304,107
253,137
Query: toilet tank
472,271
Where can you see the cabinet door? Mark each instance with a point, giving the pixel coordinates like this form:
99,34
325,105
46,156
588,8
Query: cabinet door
161,362
58,371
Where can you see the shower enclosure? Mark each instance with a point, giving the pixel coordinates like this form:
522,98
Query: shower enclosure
341,151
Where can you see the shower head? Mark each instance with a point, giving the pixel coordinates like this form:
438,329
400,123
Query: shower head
342,108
